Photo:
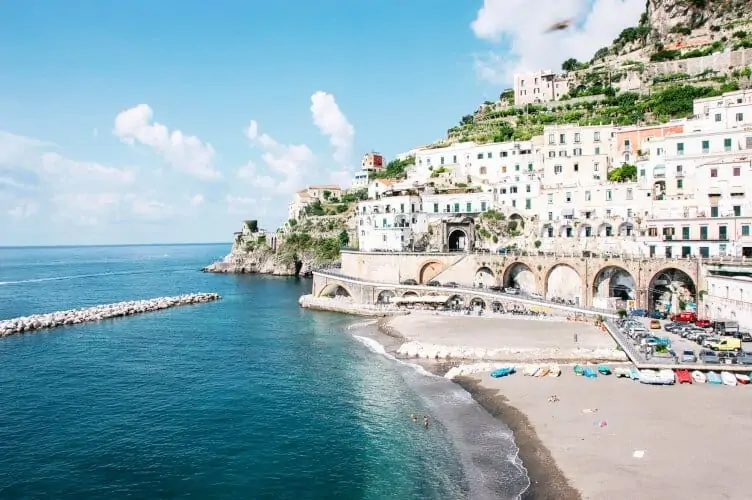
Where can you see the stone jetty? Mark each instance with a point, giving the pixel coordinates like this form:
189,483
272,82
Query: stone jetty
97,313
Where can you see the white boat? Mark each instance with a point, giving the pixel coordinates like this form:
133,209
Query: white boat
728,378
742,378
698,377
542,371
530,370
554,371
656,377
668,376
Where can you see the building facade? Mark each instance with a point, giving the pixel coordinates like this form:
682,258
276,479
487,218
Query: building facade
539,87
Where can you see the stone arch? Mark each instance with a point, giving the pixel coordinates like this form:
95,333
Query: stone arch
585,230
520,275
564,282
484,277
547,230
497,306
335,290
477,302
626,229
606,230
457,240
566,230
410,293
385,297
612,281
669,288
455,301
429,270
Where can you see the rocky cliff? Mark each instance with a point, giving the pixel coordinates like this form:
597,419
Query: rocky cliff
296,249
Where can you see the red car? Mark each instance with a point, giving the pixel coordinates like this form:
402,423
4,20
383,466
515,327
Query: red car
684,317
703,323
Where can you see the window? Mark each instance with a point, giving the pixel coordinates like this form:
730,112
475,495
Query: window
563,152
713,172
428,161
513,190
679,183
483,171
528,203
587,195
514,203
596,136
685,232
680,148
480,156
686,252
722,233
568,197
576,167
551,139
577,152
550,197
652,231
608,195
558,169
441,160
504,170
668,252
383,238
745,230
577,137
597,150
705,147
740,117
737,210
516,178
456,207
748,142
552,154
703,233
714,211
402,208
737,171
629,194
516,168
527,188
704,252
454,159
642,172
562,138
679,169
483,206
727,144
468,207
626,143
717,117
595,167
629,213
489,155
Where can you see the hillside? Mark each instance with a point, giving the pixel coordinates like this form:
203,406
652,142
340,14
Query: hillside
680,50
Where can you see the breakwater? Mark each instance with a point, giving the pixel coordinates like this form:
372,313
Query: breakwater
346,306
96,313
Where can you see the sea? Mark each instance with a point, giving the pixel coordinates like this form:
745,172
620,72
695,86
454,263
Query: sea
250,397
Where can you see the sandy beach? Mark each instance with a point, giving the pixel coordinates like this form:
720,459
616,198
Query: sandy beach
694,437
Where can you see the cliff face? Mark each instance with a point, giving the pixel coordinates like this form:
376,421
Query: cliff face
296,250
667,17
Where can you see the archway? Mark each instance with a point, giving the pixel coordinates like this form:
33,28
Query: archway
334,290
409,293
497,306
626,229
585,231
385,297
563,282
519,275
429,270
611,285
566,230
457,240
671,290
547,231
454,302
484,277
477,303
605,230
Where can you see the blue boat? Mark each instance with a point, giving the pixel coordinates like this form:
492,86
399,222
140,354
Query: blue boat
604,370
589,373
713,378
635,373
578,370
503,372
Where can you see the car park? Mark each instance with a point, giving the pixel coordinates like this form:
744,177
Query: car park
688,356
703,323
655,324
744,358
708,356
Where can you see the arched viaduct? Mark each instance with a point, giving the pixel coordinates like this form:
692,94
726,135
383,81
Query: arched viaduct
585,280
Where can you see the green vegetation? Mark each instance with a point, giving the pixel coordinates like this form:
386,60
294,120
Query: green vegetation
344,238
395,169
624,173
252,225
439,171
296,244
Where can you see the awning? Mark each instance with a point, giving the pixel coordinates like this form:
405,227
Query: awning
567,211
428,299
714,191
737,191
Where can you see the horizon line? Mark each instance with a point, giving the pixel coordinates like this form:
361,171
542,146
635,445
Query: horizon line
92,245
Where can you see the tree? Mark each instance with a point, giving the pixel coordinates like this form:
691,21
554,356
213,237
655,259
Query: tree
467,120
570,64
623,174
252,225
327,195
344,238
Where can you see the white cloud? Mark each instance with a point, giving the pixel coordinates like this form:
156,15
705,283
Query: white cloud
519,27
249,173
183,152
196,200
240,205
332,123
71,171
149,208
288,162
15,148
24,210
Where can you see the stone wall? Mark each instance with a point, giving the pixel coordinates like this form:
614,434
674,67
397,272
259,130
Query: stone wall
722,62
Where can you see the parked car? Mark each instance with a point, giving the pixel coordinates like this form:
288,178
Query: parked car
409,282
703,323
511,291
494,288
657,315
688,356
451,284
686,316
744,358
708,356
655,324
726,344
434,283
672,327
640,313
536,295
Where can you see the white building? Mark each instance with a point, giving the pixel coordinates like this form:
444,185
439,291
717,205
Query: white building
304,197
539,87
386,224
729,296
360,181
731,110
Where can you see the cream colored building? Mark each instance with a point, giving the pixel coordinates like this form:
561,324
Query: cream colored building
386,223
729,295
573,154
539,87
729,111
305,197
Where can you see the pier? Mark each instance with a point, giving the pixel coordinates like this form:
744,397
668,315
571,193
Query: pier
47,321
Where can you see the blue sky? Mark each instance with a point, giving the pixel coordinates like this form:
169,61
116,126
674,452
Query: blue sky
92,94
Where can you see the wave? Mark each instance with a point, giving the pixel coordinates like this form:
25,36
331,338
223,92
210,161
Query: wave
92,275
486,446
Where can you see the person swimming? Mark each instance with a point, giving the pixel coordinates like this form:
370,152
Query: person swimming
425,421
414,417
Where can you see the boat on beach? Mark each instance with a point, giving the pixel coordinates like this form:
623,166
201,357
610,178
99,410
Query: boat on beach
530,370
654,377
728,378
622,372
554,371
713,378
683,377
698,377
635,373
589,372
742,378
604,370
541,372
502,372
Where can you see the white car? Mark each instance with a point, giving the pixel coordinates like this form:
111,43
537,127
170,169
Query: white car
511,291
536,295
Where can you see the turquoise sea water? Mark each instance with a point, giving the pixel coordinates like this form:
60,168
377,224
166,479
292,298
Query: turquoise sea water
248,397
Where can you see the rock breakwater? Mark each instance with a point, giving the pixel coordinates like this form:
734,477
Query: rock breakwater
96,313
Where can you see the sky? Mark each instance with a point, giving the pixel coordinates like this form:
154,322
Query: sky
173,121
